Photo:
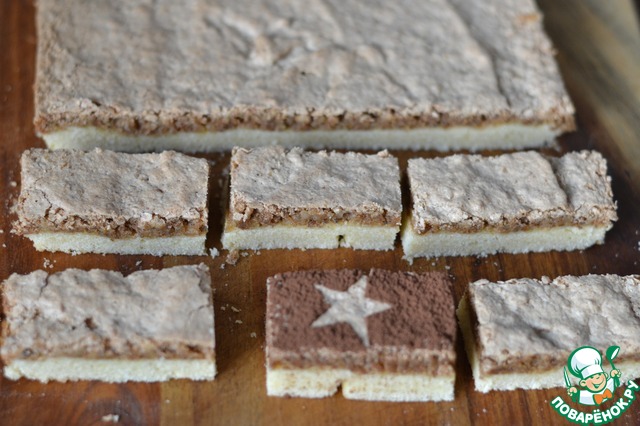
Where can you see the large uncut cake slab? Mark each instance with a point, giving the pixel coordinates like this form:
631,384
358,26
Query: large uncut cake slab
513,203
295,199
379,335
206,76
520,333
109,202
149,326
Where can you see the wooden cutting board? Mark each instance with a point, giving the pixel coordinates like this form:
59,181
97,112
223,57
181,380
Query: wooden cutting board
599,54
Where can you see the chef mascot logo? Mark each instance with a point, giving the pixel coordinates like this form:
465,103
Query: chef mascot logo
585,363
595,386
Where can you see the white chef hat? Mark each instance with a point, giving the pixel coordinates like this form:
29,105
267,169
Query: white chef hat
585,362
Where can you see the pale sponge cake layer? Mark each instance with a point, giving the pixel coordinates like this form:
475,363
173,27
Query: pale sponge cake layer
528,348
111,370
325,237
100,325
320,383
90,243
486,242
504,136
305,383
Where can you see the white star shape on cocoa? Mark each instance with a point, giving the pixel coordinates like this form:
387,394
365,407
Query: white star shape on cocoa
350,306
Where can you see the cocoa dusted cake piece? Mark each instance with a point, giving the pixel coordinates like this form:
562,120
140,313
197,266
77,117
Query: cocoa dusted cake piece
149,326
520,333
379,335
297,199
428,74
512,203
108,202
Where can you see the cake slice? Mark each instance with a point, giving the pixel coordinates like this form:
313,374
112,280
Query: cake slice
150,326
107,202
441,74
297,199
520,333
379,335
512,203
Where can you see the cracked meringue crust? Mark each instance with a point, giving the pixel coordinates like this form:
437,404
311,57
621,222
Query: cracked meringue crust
273,186
112,195
99,314
526,348
285,66
510,193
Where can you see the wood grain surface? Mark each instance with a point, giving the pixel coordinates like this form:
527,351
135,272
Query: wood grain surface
599,53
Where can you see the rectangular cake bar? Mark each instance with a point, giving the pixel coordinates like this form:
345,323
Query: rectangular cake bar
379,335
150,326
297,199
443,74
107,202
520,333
512,203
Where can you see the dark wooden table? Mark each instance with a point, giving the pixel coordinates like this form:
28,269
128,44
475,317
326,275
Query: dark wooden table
599,54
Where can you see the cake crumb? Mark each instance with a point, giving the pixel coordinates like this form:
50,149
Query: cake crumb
1,231
234,309
222,308
245,254
139,262
47,263
111,418
222,266
253,335
4,245
238,321
232,257
13,183
213,252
